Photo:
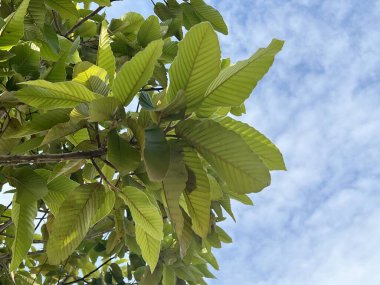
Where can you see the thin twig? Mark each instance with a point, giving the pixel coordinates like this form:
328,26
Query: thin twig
80,22
91,272
6,225
50,158
113,187
12,236
40,221
97,136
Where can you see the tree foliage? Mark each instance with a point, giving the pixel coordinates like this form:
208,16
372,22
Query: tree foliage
104,192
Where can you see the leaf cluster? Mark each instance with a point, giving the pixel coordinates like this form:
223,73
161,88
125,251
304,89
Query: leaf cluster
105,192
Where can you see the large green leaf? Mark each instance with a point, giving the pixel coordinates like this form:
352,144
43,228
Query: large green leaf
226,151
197,194
46,95
208,13
23,216
105,57
196,65
105,206
73,221
135,73
121,154
61,130
65,8
149,31
262,146
156,153
144,213
150,247
13,29
168,277
37,10
234,84
58,189
30,186
173,186
40,123
104,109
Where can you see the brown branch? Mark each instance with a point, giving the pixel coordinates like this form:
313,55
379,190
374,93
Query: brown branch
6,225
50,158
113,187
91,272
80,22
34,241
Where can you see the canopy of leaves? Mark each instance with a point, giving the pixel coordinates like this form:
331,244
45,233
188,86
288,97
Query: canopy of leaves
104,193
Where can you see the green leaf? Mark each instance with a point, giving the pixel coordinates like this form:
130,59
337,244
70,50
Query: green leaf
190,18
58,72
73,221
135,73
156,153
37,10
27,146
40,123
168,277
208,13
30,186
150,247
105,58
58,189
173,186
144,213
259,144
26,60
196,65
65,8
23,217
91,76
60,130
234,161
46,95
13,29
121,154
104,109
149,31
105,207
234,84
197,196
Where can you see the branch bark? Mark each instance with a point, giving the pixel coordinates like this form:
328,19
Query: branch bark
79,23
50,158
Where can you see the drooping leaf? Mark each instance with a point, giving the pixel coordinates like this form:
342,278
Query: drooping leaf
234,84
156,153
104,109
105,206
168,277
73,221
260,145
23,216
13,29
105,57
144,213
37,10
121,154
135,73
46,95
66,8
173,186
197,196
208,13
149,31
196,65
234,161
150,247
61,130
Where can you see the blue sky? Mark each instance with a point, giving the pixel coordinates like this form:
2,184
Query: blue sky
319,222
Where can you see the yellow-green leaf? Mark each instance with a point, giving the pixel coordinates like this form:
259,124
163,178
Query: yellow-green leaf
196,65
73,221
262,146
227,152
23,217
144,213
105,58
65,8
135,73
13,29
150,247
234,84
149,31
208,13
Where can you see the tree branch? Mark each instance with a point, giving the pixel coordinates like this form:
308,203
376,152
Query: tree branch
113,187
91,272
50,158
80,22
